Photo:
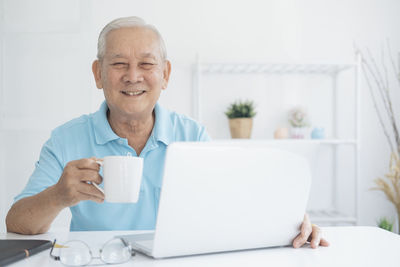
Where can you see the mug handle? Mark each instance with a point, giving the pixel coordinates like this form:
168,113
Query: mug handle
96,185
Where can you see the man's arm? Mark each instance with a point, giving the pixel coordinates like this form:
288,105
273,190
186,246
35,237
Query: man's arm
34,214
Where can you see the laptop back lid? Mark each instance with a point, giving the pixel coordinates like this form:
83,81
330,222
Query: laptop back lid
225,196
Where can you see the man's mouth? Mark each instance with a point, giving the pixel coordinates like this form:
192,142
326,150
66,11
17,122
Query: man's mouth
133,93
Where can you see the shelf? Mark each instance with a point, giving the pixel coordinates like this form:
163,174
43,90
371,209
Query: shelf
283,71
326,217
297,141
232,68
317,141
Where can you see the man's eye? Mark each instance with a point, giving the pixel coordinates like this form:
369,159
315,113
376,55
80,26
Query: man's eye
147,65
119,64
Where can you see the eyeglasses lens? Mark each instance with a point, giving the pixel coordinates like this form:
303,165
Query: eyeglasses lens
75,253
115,251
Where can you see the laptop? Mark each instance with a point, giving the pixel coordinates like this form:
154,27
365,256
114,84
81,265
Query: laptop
226,196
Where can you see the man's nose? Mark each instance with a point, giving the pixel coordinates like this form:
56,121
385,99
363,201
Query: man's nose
133,74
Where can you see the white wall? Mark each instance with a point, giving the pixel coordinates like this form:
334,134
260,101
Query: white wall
47,48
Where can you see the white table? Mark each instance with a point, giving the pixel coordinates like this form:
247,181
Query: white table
350,246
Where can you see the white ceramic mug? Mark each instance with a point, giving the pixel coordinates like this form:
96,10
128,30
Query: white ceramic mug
122,176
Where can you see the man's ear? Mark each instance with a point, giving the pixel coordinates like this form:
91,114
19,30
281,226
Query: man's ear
96,69
166,73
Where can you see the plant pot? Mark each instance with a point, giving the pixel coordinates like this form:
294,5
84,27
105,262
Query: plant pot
241,127
281,133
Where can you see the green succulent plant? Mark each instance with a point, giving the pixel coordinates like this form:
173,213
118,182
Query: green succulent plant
241,109
384,223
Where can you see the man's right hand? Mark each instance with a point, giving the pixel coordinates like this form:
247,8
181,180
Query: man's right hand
73,185
34,214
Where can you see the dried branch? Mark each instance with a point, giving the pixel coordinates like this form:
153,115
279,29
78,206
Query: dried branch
396,70
377,72
393,121
385,71
385,131
371,69
387,93
377,82
396,177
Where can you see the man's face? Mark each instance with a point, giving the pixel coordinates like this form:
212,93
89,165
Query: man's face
132,72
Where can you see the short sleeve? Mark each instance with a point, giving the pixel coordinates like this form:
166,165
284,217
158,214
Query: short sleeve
47,170
203,135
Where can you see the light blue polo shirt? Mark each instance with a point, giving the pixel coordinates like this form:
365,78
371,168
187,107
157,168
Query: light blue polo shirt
91,135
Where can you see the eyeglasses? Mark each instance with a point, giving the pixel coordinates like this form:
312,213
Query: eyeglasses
78,253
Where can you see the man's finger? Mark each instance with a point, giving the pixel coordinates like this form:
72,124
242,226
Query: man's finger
88,189
89,163
305,232
315,236
90,176
324,243
306,219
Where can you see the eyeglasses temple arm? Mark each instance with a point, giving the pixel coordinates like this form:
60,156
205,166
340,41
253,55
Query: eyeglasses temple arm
133,253
57,258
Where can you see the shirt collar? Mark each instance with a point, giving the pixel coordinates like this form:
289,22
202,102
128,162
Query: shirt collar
102,128
163,126
162,130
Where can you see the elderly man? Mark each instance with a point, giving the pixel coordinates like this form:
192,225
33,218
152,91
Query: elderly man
132,69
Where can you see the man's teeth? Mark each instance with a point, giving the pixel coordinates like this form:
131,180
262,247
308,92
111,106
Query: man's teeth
133,93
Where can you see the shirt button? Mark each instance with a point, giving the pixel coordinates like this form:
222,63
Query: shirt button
120,142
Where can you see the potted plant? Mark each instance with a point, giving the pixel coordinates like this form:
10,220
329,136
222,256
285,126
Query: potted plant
240,115
385,224
299,123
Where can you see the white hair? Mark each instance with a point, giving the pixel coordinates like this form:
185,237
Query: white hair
127,22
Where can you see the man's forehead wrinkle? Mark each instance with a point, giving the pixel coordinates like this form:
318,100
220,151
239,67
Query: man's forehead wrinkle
141,55
148,54
143,43
116,55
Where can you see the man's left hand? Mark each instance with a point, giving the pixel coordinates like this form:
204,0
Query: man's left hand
311,233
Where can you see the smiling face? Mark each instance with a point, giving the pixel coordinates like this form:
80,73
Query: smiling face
132,72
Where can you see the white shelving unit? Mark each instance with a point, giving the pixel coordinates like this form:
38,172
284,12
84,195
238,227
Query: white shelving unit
329,216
